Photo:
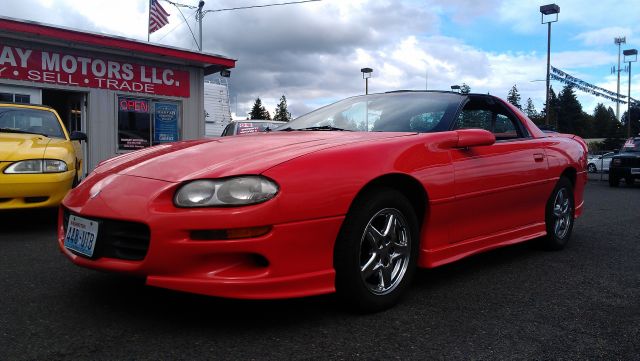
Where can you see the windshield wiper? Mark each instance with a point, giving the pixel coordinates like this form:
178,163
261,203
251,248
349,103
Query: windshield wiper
325,127
9,130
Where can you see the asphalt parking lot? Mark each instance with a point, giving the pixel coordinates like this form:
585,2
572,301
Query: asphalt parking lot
514,303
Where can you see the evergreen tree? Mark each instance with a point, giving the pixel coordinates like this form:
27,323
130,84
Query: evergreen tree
532,113
258,111
615,128
514,97
571,118
613,133
282,113
604,122
635,121
552,109
465,89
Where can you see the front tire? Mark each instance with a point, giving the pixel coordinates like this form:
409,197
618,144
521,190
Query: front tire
559,216
377,250
613,180
629,181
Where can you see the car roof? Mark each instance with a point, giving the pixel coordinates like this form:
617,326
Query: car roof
28,106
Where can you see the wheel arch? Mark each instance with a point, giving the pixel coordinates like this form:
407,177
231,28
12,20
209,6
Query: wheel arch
410,187
571,174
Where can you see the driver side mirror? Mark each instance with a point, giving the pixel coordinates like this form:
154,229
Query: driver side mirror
474,138
79,136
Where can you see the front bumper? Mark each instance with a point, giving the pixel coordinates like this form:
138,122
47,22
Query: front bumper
34,190
625,172
294,259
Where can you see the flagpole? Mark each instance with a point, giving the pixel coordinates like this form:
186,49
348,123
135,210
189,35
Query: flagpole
148,22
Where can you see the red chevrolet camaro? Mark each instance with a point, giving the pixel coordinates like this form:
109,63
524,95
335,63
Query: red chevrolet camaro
352,198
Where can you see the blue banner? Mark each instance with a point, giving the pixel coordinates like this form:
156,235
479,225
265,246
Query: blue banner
165,124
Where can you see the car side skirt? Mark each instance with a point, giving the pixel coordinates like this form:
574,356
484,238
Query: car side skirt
430,258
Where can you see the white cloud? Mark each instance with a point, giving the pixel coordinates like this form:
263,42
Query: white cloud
122,17
582,59
313,52
524,16
604,36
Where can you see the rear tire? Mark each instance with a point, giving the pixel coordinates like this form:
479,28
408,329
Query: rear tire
559,216
376,251
591,168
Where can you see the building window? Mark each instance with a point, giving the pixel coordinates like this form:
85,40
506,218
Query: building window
23,98
134,123
15,98
6,97
145,122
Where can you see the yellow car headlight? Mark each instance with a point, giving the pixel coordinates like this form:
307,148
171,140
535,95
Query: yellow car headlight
37,166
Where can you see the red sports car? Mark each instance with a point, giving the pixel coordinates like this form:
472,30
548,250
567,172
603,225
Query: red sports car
350,198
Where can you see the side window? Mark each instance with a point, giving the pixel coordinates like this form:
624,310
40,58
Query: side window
504,128
474,119
487,114
507,126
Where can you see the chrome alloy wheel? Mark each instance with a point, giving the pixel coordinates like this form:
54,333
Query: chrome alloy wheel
385,249
562,212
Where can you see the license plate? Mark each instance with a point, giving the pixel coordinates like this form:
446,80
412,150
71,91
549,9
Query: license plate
81,235
635,170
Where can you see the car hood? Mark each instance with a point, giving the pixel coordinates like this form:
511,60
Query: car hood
17,146
227,156
627,155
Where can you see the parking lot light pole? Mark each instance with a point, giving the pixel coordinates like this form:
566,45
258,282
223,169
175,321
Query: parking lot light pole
455,88
619,41
199,16
366,74
548,10
630,56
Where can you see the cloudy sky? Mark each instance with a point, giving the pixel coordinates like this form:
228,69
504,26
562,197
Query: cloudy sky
313,52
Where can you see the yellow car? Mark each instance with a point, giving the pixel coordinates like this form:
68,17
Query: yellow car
38,161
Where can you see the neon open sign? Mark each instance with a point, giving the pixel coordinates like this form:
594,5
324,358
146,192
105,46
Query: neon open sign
134,105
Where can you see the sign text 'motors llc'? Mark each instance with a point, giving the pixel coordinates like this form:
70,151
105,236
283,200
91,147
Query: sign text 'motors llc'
68,69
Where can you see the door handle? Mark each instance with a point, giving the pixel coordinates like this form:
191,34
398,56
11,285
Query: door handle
538,157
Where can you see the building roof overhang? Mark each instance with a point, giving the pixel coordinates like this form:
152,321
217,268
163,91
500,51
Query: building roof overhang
38,32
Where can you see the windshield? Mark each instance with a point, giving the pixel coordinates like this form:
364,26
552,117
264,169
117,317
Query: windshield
31,121
392,112
632,145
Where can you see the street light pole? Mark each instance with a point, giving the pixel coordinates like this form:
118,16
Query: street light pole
366,74
630,56
550,9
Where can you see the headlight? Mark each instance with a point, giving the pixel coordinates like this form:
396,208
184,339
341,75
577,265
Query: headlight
37,166
616,161
236,191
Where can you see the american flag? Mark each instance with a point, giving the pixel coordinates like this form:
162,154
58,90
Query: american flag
158,17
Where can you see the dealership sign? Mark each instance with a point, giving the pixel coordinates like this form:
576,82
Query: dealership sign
66,69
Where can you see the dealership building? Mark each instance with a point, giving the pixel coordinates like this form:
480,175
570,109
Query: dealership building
124,94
